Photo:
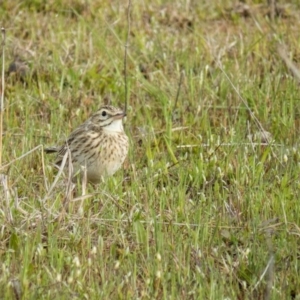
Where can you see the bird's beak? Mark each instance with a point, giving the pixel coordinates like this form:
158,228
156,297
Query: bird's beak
119,116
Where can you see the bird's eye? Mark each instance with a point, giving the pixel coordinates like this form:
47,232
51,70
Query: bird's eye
104,113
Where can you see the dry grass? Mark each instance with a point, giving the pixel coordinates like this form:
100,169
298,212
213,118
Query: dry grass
206,206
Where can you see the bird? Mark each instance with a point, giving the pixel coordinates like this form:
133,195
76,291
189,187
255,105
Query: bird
98,147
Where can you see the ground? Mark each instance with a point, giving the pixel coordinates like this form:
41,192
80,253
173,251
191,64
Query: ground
207,204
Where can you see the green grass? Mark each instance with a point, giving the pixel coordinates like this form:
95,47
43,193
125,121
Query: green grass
198,211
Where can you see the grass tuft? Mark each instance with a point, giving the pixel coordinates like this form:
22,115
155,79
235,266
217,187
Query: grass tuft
206,206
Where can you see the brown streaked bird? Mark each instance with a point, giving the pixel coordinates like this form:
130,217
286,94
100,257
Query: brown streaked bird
99,145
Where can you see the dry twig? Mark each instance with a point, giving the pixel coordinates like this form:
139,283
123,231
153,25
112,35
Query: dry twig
289,63
125,56
2,91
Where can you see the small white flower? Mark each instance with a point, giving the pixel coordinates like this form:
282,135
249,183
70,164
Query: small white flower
158,256
94,250
76,261
117,265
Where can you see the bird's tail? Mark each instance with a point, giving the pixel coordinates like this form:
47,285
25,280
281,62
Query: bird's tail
51,150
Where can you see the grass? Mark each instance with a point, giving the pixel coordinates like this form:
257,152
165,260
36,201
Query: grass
199,211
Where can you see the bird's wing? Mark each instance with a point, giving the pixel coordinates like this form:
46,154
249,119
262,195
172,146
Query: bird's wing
77,136
80,136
